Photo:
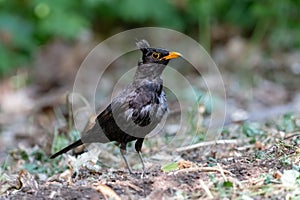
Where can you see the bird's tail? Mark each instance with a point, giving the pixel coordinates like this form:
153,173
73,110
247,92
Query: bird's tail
68,148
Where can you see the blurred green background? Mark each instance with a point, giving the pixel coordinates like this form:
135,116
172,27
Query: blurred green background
27,24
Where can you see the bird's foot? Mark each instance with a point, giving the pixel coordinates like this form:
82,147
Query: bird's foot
130,170
140,175
143,175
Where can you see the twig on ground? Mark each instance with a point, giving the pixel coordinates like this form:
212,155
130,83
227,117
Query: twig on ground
203,144
128,184
296,133
70,113
243,148
222,172
206,189
202,169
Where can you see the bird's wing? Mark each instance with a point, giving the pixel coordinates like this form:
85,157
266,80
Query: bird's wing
135,109
131,113
144,103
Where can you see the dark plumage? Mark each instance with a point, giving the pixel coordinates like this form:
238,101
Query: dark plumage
137,110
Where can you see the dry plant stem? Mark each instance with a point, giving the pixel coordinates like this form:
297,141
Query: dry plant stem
279,186
222,172
290,136
84,100
202,169
206,189
128,184
242,148
203,144
236,182
70,113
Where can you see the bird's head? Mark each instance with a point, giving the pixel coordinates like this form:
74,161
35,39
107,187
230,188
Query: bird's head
155,55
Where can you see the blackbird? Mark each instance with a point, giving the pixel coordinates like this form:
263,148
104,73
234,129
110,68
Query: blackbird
137,110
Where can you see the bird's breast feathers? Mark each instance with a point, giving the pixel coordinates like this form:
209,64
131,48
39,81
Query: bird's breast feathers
143,110
148,104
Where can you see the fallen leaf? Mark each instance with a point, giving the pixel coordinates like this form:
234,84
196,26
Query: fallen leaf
183,164
106,191
25,179
170,167
277,175
8,183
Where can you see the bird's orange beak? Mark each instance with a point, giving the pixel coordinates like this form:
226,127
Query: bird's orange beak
172,54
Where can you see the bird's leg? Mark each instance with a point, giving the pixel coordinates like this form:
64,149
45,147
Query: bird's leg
142,161
138,147
123,153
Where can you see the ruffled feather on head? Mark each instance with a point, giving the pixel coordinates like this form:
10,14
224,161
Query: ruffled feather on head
142,44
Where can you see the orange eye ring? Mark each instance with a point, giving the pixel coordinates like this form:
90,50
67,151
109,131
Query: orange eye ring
155,55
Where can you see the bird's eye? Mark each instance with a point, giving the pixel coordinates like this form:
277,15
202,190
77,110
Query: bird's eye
155,55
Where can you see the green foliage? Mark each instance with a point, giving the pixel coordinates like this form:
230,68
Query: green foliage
296,168
170,167
268,179
35,161
287,123
252,129
276,22
227,184
145,10
224,188
60,141
261,155
39,163
3,166
24,25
